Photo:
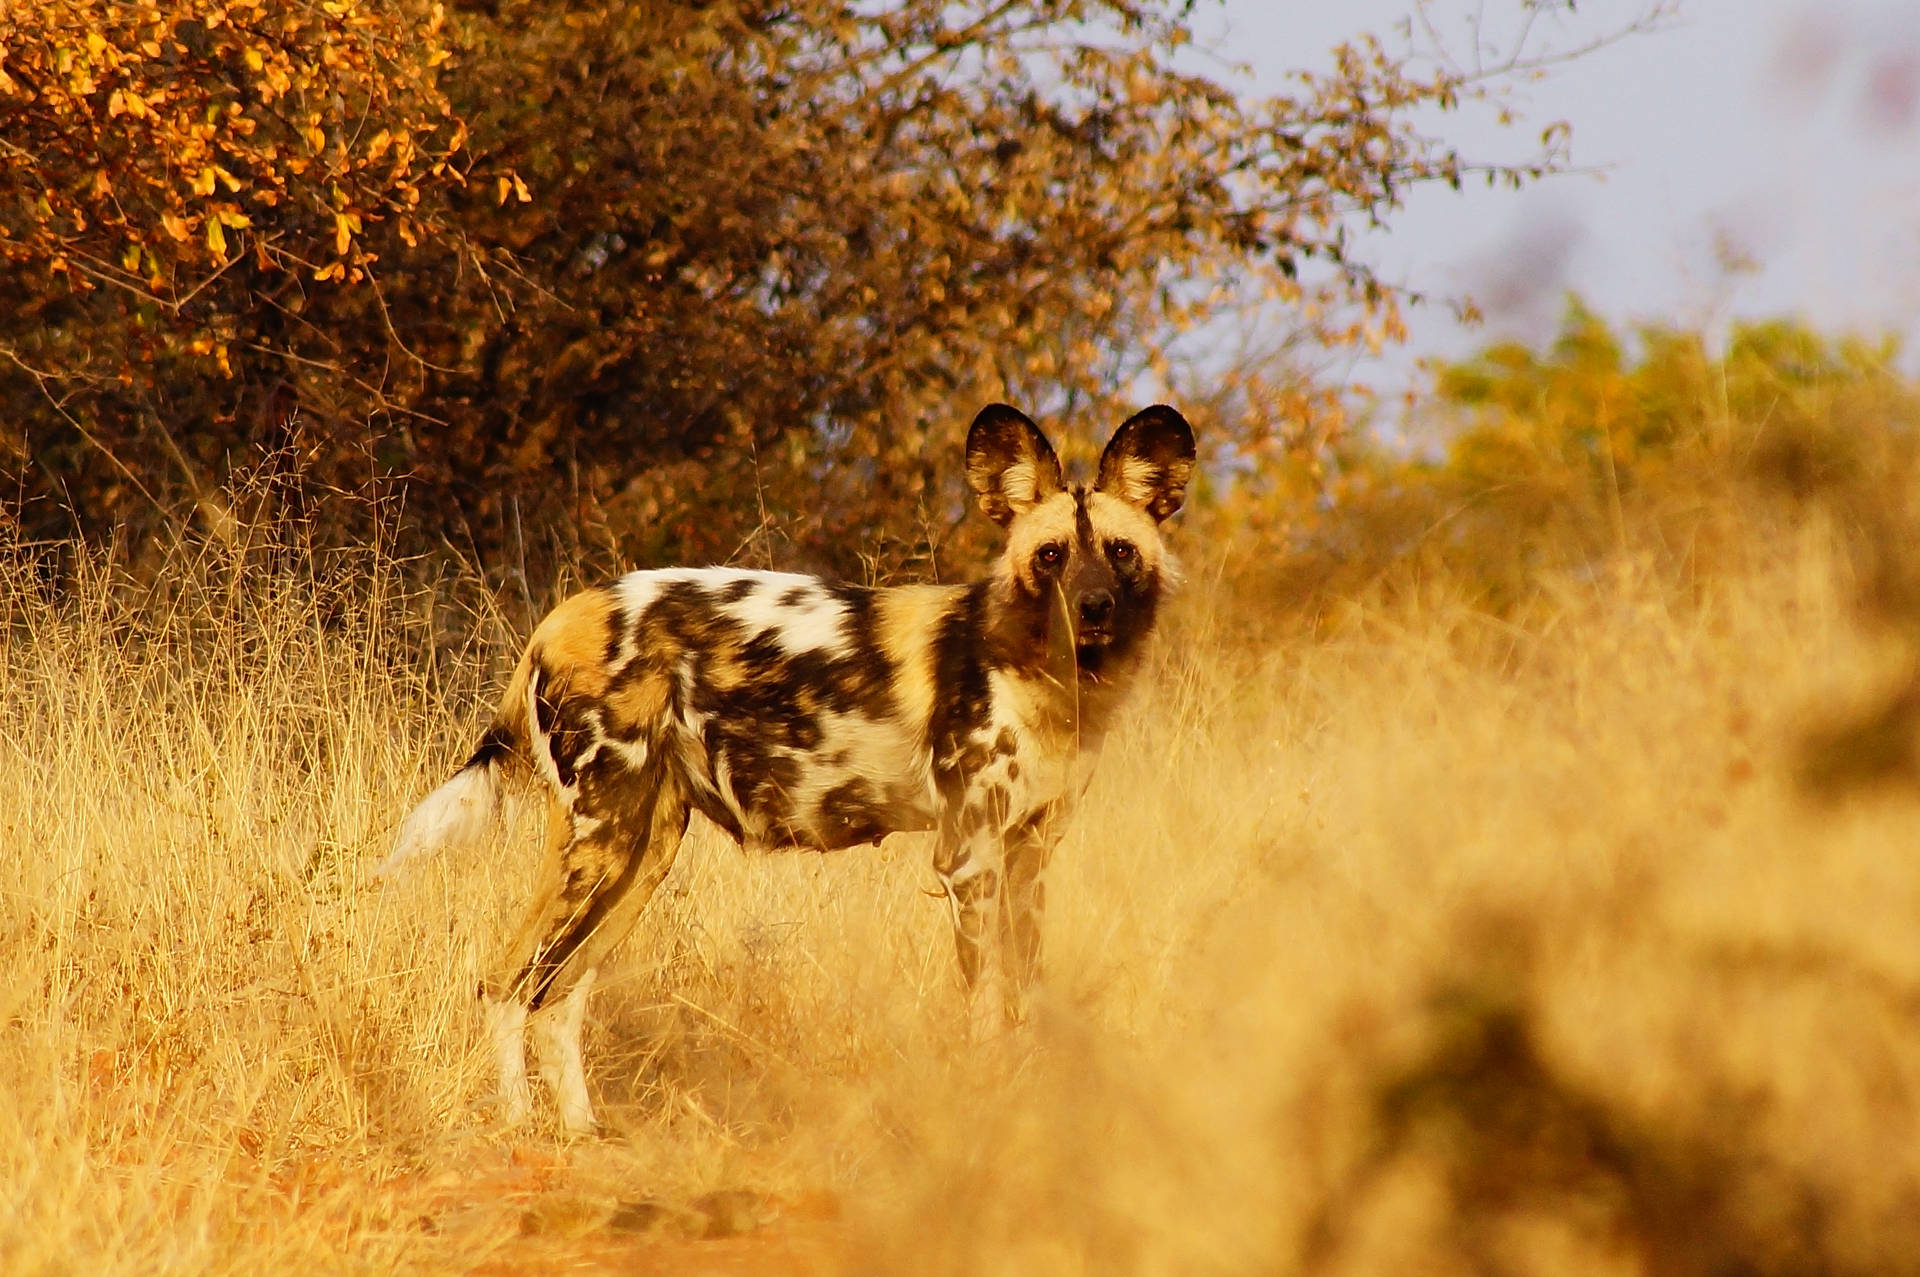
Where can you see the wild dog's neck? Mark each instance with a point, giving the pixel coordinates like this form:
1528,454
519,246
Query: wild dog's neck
1023,632
1031,638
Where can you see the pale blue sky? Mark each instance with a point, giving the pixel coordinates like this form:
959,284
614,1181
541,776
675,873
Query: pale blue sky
1789,129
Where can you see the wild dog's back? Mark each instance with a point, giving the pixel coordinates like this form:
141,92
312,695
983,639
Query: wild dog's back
797,708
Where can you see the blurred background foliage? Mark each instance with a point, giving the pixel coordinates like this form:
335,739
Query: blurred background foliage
1598,447
604,282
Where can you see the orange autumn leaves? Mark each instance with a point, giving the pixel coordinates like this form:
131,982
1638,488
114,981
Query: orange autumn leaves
150,144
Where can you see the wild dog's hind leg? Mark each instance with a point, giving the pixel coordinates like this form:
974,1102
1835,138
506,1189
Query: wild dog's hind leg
506,1027
506,1004
556,1043
621,832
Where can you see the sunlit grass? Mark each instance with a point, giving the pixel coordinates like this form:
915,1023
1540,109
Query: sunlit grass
1428,940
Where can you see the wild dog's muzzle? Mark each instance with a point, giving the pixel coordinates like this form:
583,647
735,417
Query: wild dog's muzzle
1094,620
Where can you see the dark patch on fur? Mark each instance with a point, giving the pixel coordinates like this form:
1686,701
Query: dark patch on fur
496,746
860,682
720,814
1136,604
568,724
1019,632
616,635
627,802
962,700
683,618
851,814
1082,521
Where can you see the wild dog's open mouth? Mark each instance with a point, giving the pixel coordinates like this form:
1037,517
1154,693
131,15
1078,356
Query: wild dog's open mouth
1090,648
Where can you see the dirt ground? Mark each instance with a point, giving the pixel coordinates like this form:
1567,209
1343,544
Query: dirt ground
508,1209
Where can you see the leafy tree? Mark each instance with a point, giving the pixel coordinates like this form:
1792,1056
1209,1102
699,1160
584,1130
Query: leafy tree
616,279
171,177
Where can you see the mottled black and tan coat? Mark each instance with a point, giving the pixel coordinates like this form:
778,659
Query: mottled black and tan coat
798,712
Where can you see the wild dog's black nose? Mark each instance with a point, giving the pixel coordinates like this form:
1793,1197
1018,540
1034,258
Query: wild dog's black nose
1095,607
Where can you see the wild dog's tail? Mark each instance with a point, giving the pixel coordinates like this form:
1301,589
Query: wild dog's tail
465,810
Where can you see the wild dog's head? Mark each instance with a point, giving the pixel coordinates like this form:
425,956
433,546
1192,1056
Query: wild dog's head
1084,567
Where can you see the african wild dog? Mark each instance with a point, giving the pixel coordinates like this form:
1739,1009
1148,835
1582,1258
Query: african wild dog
793,711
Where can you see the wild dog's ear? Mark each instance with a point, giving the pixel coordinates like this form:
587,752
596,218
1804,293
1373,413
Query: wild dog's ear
1148,461
1010,465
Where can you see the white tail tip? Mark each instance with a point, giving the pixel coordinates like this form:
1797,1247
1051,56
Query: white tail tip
460,813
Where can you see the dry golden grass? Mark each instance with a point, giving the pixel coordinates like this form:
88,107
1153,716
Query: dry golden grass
1429,943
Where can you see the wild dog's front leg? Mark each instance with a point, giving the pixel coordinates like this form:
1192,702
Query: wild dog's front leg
973,892
1023,904
970,866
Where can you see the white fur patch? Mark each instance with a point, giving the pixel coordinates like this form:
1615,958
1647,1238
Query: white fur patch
1020,485
1136,480
801,616
889,756
813,621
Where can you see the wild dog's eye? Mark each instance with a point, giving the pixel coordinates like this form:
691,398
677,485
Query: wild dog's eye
1122,551
1050,554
